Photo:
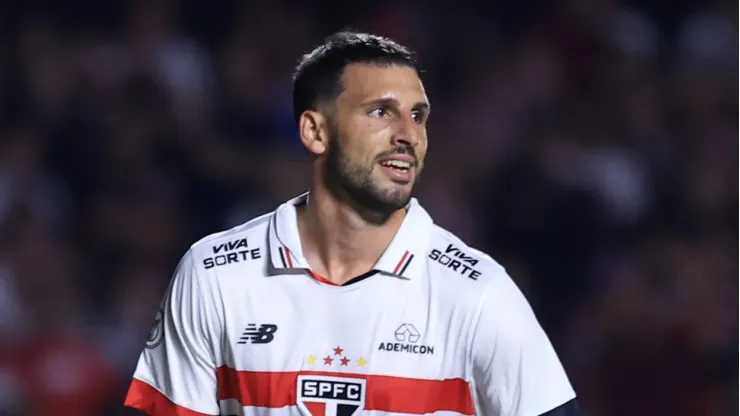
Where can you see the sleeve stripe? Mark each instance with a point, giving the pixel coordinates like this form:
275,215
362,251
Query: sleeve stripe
151,401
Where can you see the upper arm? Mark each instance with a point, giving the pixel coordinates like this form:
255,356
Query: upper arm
515,368
176,372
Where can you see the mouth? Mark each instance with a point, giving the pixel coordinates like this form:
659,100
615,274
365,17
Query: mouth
399,170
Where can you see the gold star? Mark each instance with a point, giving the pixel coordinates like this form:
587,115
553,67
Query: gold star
311,359
361,362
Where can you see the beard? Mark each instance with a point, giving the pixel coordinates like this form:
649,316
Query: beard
352,182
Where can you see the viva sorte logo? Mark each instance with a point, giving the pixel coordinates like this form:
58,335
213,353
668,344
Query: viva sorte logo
235,251
453,258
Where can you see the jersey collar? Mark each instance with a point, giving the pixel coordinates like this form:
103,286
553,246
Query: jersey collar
403,258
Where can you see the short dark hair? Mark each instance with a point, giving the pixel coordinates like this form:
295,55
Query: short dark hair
318,77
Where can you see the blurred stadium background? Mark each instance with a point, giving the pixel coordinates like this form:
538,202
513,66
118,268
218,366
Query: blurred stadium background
588,145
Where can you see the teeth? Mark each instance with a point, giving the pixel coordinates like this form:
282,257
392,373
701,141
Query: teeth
397,164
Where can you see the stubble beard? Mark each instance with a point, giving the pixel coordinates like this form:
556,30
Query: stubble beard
352,183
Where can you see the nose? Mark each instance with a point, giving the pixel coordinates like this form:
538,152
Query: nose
407,132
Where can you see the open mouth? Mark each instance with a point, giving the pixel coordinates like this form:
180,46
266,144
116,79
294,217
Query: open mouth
399,171
396,164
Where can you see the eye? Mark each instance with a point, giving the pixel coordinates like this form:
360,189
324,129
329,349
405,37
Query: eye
418,116
379,112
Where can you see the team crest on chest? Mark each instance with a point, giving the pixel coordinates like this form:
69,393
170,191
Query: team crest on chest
319,395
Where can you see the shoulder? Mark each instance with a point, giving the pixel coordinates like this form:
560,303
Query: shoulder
192,285
252,228
469,275
239,244
449,256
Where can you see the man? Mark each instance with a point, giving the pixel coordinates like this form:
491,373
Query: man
348,300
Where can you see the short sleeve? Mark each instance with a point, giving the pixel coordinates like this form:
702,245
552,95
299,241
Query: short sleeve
515,367
176,372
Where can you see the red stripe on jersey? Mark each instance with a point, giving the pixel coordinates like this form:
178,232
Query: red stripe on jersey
287,257
321,278
384,393
151,401
400,262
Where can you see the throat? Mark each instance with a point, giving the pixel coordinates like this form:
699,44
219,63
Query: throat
339,259
340,245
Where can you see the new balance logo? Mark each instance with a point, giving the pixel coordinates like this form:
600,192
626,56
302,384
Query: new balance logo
263,334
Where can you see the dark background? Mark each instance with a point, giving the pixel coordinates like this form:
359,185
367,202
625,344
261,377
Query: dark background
590,146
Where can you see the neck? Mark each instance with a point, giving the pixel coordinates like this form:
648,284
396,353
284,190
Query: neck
337,241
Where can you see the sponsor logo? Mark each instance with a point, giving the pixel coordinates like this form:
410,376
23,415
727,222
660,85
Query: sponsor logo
407,337
453,258
156,333
263,334
407,332
231,252
330,396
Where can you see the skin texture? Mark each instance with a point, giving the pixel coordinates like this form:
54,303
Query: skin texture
356,206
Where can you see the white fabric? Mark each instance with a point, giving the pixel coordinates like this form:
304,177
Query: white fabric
436,310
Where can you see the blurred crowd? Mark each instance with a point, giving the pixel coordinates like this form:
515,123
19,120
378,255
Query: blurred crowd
590,146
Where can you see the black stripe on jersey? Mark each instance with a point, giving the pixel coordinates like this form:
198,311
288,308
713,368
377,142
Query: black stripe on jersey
360,278
403,269
282,258
569,408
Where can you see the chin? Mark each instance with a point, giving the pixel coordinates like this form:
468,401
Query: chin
396,196
379,202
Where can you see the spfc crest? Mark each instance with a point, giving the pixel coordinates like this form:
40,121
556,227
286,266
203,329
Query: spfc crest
330,396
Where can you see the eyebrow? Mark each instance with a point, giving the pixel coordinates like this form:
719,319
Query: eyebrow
392,102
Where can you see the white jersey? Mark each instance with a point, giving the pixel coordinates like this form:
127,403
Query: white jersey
437,328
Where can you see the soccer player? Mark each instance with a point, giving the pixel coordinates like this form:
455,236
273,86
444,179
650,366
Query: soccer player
349,300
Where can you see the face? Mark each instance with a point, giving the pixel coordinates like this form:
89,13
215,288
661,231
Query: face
377,136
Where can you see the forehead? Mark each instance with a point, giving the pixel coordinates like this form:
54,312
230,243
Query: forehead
362,82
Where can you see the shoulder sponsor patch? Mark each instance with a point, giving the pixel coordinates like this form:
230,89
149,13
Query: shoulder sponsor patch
453,258
235,251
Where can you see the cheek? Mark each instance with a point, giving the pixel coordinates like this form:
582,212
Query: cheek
367,144
421,148
376,125
359,150
373,132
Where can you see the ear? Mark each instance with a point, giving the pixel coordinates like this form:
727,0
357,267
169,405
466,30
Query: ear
312,127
